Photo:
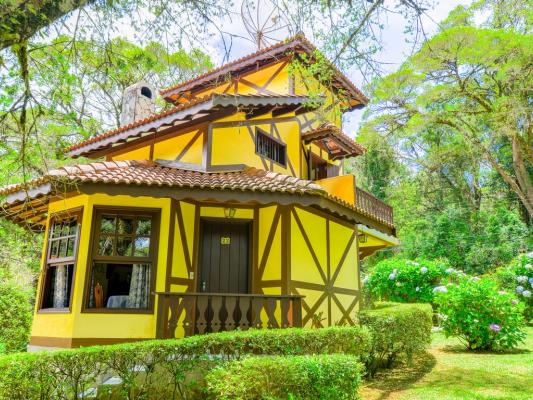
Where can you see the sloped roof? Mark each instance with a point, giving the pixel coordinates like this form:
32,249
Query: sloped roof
28,201
332,132
178,114
296,43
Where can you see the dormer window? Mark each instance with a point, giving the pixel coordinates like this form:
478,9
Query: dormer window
271,148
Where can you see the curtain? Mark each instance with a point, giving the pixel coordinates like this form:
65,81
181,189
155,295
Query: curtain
60,287
139,286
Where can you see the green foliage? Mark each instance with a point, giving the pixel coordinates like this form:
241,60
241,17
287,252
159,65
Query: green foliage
397,329
407,281
480,315
517,277
320,377
171,369
15,316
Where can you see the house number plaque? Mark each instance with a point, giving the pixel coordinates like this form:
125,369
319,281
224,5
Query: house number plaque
225,240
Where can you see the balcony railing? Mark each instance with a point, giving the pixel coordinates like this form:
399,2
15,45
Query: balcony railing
373,206
199,313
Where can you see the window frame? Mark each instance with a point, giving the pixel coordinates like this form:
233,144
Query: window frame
98,212
48,262
274,139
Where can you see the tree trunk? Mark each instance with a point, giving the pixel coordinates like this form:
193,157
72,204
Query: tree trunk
21,19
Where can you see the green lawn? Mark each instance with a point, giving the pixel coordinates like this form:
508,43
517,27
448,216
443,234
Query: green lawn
448,372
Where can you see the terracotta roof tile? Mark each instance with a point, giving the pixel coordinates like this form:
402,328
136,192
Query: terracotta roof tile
334,130
148,174
299,40
222,100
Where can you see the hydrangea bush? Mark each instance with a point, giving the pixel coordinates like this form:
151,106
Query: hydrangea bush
408,281
480,314
518,277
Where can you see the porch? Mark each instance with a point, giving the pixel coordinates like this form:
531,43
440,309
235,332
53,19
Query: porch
187,314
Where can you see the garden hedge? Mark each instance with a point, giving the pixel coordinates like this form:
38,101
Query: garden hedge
163,369
396,328
321,377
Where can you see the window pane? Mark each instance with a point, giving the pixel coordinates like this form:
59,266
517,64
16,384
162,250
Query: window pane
54,246
57,229
144,226
65,229
124,246
120,286
105,245
70,247
142,247
58,286
107,225
125,225
62,248
73,227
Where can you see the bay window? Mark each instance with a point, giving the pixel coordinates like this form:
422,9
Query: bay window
58,270
121,271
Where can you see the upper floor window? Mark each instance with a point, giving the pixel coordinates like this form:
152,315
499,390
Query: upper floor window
58,271
123,260
268,147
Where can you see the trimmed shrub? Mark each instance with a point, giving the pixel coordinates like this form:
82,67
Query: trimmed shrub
163,369
475,311
335,377
407,281
15,317
517,278
396,329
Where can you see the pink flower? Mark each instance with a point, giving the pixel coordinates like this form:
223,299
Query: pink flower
495,327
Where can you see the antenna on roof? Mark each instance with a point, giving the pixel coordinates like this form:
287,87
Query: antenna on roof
261,21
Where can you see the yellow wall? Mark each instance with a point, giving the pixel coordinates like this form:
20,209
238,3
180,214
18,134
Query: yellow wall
98,325
340,186
324,254
236,145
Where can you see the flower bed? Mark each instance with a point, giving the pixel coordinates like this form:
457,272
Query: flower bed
481,315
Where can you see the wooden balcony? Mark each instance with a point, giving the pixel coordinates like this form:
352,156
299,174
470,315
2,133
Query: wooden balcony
373,207
199,313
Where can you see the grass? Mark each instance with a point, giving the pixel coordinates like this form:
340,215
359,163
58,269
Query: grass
449,372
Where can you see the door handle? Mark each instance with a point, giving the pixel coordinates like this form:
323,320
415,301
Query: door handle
203,286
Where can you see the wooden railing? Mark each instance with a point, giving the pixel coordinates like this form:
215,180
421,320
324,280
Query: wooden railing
373,206
200,313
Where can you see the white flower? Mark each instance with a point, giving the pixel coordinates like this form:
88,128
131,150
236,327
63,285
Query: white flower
519,289
417,289
529,266
392,276
531,281
365,281
450,271
440,289
476,321
526,293
502,292
521,278
474,278
423,270
530,254
398,284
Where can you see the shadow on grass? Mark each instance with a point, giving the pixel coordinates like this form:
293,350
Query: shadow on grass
460,349
401,376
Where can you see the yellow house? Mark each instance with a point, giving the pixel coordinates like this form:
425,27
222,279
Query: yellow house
229,209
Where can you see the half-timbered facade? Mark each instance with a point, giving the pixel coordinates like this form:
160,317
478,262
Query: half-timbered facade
229,209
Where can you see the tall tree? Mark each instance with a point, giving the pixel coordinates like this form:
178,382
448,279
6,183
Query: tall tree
473,82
